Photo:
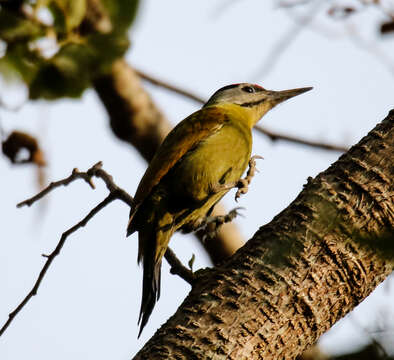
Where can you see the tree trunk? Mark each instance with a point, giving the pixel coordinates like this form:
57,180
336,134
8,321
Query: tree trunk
300,273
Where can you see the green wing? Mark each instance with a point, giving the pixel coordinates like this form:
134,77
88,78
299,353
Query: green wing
185,136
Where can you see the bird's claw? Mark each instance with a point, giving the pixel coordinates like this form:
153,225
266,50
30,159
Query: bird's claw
243,187
191,262
243,184
211,224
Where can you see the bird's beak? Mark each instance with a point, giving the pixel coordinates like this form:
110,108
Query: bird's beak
280,96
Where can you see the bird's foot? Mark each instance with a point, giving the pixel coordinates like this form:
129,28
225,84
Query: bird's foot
211,224
243,184
192,226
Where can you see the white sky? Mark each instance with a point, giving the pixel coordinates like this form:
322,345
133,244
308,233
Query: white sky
88,304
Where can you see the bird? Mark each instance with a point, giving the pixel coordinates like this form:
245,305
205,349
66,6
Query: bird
198,162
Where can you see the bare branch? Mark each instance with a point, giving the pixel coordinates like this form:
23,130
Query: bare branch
115,193
371,48
291,4
285,41
177,267
52,256
64,182
317,144
169,87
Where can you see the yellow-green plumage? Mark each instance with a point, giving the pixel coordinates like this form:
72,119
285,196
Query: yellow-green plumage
209,148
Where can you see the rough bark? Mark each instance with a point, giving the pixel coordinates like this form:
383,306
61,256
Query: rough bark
134,118
300,273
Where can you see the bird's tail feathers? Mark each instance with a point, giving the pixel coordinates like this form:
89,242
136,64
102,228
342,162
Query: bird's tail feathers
150,291
152,247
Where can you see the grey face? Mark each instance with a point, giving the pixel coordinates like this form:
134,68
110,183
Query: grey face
251,95
240,94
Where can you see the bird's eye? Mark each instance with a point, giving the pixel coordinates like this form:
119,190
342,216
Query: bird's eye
248,89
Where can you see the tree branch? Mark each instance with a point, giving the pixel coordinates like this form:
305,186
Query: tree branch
177,267
55,184
52,256
115,193
286,40
316,144
170,87
300,273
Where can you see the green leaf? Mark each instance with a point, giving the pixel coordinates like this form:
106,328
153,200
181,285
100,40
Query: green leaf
66,74
59,19
72,69
14,28
122,12
81,58
74,11
21,60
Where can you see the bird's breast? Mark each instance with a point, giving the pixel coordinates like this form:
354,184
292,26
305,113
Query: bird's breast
221,158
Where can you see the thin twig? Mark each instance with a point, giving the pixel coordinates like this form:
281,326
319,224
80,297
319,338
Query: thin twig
289,4
272,135
115,193
53,185
52,256
317,144
167,86
371,48
221,9
318,27
285,41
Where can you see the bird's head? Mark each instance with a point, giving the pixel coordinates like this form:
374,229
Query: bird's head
252,98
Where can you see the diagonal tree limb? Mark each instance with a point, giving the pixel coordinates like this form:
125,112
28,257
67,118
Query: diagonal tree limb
299,274
115,193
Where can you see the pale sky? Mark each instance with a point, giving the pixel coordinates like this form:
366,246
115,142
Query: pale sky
87,306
